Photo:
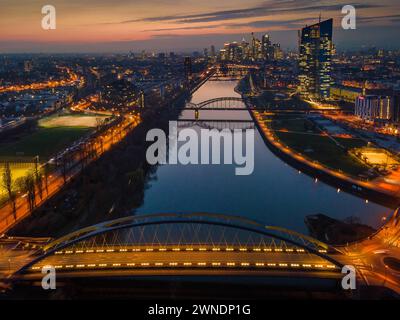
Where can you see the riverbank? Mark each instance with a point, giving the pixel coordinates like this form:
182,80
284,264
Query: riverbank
336,232
365,189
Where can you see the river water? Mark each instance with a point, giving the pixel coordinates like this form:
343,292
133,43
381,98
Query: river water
275,194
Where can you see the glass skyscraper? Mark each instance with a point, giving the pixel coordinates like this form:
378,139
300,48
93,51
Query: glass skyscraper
315,60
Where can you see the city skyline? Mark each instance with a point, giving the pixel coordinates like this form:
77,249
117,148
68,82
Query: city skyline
98,26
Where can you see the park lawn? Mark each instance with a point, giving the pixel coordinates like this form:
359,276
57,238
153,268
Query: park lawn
325,151
267,99
352,143
292,123
45,142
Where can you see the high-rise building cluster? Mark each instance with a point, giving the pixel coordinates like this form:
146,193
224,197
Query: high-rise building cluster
315,60
255,50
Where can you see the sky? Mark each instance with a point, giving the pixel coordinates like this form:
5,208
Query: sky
186,25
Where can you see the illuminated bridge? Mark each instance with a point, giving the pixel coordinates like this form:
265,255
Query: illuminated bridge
243,104
206,247
216,124
222,103
186,244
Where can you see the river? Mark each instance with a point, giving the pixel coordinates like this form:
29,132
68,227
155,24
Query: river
275,194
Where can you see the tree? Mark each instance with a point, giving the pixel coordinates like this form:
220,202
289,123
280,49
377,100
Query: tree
64,166
136,178
38,178
82,155
46,173
28,185
21,186
8,185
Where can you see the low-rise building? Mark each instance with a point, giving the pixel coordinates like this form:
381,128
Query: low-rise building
346,94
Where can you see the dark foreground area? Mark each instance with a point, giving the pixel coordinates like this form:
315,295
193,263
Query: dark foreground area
193,288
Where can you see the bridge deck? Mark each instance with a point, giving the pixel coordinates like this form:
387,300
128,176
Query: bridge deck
137,259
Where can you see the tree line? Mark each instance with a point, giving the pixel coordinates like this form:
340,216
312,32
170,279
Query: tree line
33,184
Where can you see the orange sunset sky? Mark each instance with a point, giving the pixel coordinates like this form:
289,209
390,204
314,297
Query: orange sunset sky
163,25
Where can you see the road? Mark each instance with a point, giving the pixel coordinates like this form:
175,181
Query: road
368,255
13,255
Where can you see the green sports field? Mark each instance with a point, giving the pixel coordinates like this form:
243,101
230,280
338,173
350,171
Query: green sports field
45,142
53,134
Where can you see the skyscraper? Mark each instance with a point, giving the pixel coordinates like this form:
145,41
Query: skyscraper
315,60
266,46
255,48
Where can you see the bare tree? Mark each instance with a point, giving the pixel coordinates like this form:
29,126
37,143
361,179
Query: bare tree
38,178
29,188
8,185
64,166
82,155
46,173
22,186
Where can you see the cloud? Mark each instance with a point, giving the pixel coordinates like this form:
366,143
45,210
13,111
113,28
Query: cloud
259,24
182,28
265,9
393,18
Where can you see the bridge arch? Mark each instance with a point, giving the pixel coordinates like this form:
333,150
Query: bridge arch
308,244
219,103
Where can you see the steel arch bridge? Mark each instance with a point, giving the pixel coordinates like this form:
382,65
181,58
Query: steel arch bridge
237,67
222,103
196,241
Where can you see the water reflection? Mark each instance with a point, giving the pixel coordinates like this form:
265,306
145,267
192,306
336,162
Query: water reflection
274,194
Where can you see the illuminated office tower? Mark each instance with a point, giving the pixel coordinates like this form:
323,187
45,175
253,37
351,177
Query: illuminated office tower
266,47
315,60
256,48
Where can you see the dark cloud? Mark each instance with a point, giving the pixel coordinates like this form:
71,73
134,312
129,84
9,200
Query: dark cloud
395,17
182,28
266,9
259,24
